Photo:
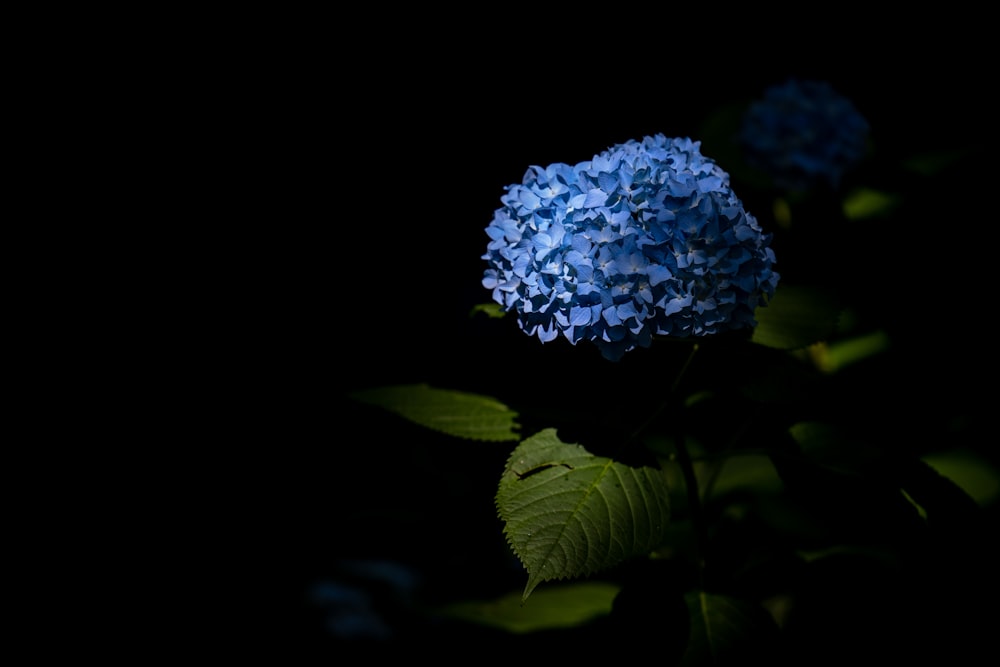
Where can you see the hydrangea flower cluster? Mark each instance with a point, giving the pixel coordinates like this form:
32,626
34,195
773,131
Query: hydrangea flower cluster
803,134
645,239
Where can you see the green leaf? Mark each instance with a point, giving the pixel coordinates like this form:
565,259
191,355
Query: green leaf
563,606
865,203
727,631
835,447
795,317
832,357
742,472
970,472
491,310
456,413
568,513
931,164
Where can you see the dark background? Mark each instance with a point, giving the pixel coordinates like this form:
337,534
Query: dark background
381,165
365,159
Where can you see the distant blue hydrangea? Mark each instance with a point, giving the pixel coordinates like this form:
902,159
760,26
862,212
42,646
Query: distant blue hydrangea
803,134
645,239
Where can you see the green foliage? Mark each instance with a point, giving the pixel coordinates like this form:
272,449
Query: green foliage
836,356
491,310
557,606
456,413
866,203
795,317
834,447
753,472
932,163
568,513
832,483
728,631
975,475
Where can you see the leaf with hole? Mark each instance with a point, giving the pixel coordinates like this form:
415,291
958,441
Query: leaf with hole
568,513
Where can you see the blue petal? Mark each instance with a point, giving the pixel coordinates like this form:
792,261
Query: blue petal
595,197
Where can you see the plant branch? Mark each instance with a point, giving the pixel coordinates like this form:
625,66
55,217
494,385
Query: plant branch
671,396
694,504
687,467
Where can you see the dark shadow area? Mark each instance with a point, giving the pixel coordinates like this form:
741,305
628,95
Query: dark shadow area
364,185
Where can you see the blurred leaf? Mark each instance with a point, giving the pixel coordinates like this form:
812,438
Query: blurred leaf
940,500
719,136
835,447
875,553
865,203
973,474
930,164
832,357
456,413
782,211
743,472
560,606
568,513
492,310
727,631
920,508
795,317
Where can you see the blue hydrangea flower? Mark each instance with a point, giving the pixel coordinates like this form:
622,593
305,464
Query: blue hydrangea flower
803,134
645,239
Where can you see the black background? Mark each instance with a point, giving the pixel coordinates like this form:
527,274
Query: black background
360,161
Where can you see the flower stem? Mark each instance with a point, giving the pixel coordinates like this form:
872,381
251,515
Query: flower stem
683,370
694,505
686,465
671,397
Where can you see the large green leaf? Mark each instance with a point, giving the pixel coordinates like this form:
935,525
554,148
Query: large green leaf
728,631
568,513
456,413
796,316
